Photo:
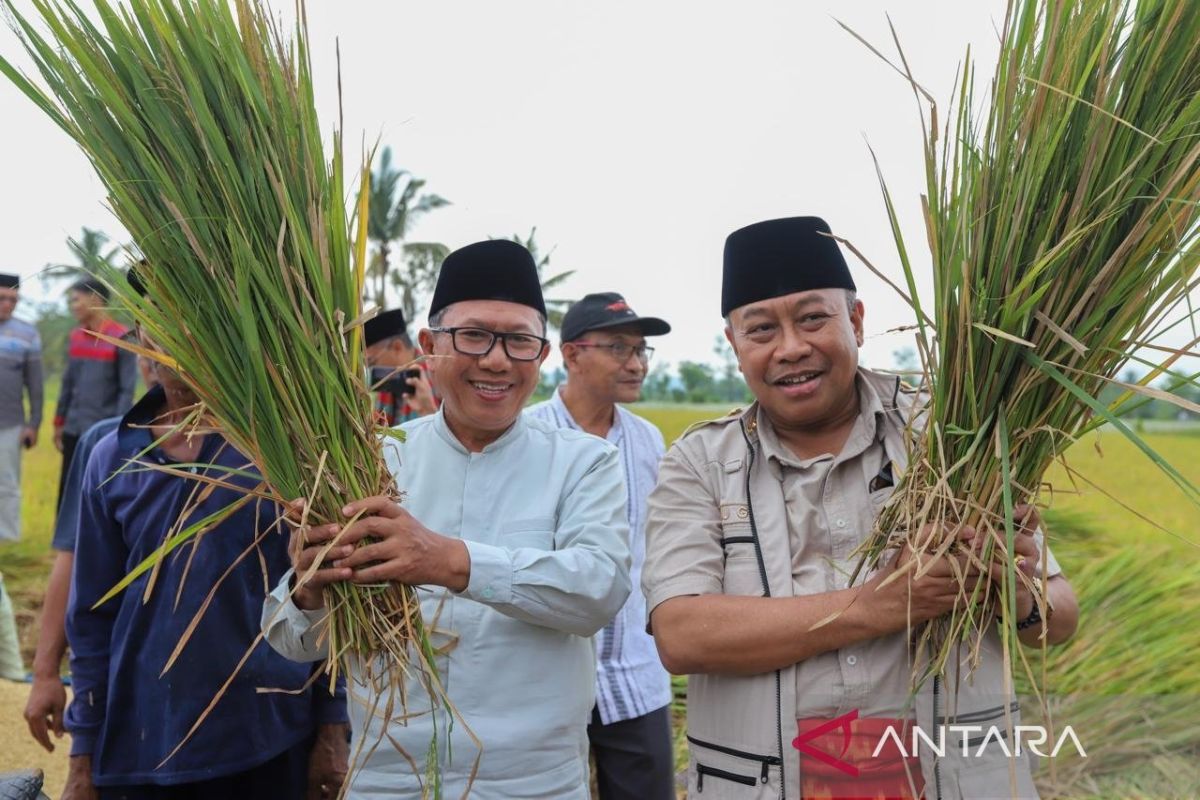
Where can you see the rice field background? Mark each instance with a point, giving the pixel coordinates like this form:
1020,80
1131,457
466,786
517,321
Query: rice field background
1089,525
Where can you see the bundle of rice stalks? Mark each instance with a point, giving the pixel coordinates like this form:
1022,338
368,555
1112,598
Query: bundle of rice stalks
1126,683
199,117
1062,224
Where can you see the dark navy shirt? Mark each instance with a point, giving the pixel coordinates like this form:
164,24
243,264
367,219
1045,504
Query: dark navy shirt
124,714
66,523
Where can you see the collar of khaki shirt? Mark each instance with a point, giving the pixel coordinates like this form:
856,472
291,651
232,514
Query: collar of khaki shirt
867,428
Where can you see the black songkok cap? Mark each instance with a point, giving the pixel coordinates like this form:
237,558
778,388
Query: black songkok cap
780,257
383,325
133,276
9,281
91,285
496,269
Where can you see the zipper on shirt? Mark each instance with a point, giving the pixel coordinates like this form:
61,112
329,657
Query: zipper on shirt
703,769
766,761
762,571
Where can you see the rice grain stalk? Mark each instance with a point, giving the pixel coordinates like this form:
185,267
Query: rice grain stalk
1062,227
199,118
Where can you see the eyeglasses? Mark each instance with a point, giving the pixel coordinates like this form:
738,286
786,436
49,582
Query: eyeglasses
621,351
480,341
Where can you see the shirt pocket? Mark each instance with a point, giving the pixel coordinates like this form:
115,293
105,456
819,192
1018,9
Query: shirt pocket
742,574
536,532
716,772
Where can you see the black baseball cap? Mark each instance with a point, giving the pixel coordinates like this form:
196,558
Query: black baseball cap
606,310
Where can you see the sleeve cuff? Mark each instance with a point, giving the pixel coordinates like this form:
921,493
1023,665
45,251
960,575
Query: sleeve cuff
292,614
82,744
329,709
491,574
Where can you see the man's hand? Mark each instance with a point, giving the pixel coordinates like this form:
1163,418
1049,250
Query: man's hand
58,437
928,585
1027,555
421,397
328,762
305,549
44,710
79,780
28,436
402,549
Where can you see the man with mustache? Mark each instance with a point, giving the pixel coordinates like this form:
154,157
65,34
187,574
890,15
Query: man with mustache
796,672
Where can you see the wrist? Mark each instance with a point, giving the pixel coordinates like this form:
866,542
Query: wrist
458,565
306,598
43,673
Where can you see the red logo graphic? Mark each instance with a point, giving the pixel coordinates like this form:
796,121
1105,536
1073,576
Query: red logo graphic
801,743
620,305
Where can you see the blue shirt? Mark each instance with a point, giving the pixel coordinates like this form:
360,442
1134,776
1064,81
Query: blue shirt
67,521
124,714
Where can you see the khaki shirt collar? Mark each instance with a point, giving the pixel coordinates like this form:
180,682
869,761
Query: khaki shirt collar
867,428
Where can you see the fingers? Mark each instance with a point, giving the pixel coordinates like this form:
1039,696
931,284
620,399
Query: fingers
374,574
309,556
322,578
1027,518
37,727
377,551
56,722
377,506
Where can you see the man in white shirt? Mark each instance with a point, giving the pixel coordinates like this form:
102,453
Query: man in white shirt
515,532
606,357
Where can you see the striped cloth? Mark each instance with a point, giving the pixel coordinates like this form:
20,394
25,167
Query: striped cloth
630,680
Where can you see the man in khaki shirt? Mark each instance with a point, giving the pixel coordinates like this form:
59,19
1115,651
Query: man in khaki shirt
751,536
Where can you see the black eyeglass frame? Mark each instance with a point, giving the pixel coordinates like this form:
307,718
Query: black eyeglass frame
503,336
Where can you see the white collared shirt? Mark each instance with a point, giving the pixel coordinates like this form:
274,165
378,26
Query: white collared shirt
630,678
541,513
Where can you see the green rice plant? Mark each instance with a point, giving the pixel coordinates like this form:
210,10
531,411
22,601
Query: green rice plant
1062,225
199,118
1126,683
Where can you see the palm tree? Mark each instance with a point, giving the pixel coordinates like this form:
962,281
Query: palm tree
89,249
555,309
396,203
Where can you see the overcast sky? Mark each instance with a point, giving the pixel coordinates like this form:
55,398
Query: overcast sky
634,135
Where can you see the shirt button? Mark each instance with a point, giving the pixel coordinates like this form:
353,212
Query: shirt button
487,592
852,660
841,523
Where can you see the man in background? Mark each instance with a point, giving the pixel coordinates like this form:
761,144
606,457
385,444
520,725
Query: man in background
20,376
99,379
605,355
390,350
20,379
47,697
130,710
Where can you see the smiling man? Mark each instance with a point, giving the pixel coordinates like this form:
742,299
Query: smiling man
516,532
605,354
796,672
